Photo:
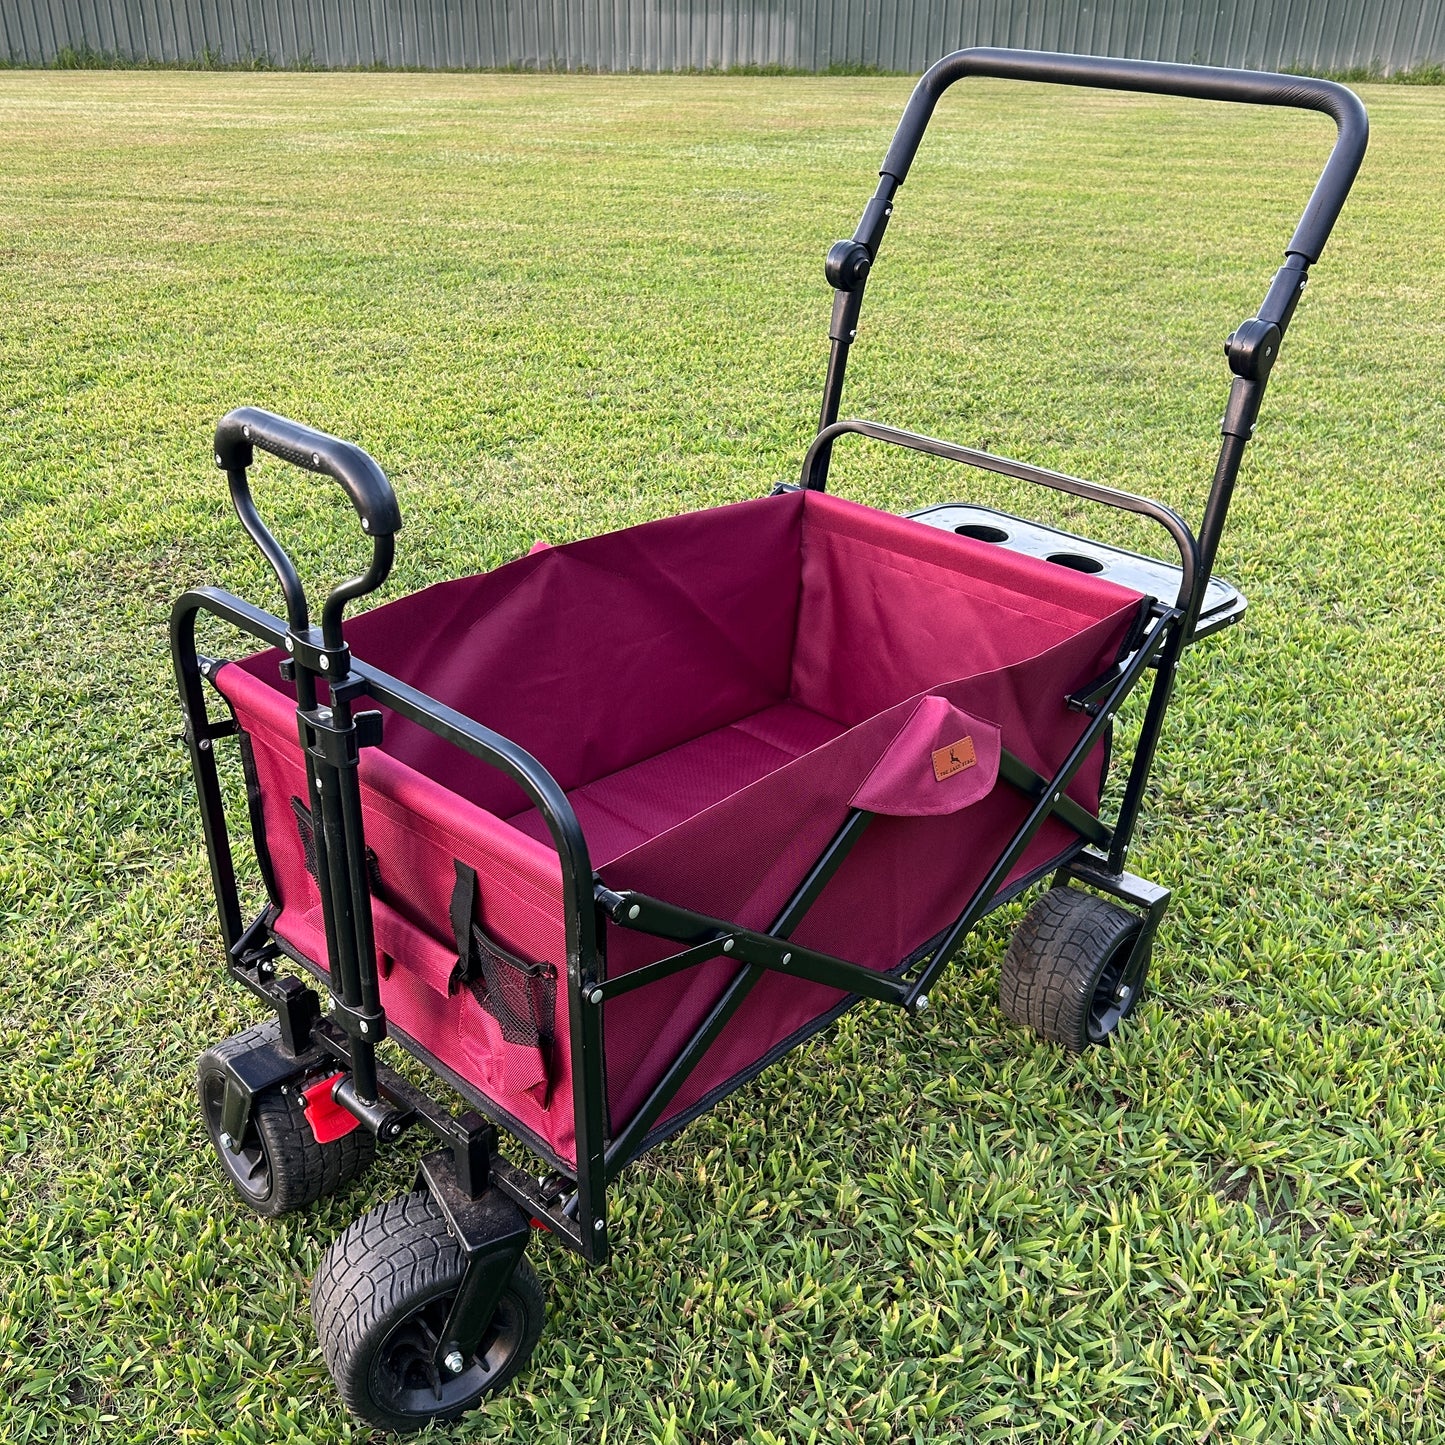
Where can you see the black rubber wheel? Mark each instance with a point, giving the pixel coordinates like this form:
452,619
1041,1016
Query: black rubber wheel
279,1166
379,1301
1068,973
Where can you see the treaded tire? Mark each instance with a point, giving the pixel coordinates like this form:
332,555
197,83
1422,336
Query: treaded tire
379,1298
1068,964
281,1167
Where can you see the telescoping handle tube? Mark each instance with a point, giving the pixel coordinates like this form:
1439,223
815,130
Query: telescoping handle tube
239,433
331,736
1253,347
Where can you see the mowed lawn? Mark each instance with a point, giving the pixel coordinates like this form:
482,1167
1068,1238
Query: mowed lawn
555,305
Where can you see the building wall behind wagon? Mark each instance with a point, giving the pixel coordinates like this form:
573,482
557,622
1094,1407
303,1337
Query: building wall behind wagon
669,35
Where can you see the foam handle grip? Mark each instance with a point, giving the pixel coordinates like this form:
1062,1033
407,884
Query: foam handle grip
363,481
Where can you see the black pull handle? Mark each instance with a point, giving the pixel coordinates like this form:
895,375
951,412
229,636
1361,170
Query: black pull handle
238,433
361,479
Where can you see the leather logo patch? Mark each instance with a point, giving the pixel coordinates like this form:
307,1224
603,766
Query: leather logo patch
954,759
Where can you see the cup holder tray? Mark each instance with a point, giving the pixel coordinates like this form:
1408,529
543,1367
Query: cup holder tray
1223,602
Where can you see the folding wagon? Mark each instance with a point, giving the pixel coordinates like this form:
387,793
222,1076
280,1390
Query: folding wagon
597,836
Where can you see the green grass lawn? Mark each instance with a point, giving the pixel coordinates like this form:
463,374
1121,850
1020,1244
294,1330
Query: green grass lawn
551,306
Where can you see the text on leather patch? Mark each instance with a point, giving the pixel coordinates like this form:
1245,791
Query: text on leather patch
954,758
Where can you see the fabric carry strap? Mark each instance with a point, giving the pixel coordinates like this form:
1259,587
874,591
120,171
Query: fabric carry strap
463,910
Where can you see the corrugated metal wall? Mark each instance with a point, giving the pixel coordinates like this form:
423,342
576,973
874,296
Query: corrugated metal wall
902,35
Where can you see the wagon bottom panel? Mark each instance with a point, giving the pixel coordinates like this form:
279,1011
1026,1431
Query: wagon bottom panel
714,692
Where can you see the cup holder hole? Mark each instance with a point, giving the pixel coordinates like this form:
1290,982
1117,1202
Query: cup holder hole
1077,561
982,532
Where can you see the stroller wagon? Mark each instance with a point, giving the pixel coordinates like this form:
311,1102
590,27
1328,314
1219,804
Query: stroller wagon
596,836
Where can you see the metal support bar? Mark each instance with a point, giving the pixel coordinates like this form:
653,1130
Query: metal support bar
764,950
814,478
1086,699
187,665
820,874
1014,771
523,1189
652,972
770,946
629,1142
342,881
255,945
1149,734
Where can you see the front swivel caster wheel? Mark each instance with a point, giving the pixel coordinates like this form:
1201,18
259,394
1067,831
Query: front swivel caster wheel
277,1165
379,1302
1072,972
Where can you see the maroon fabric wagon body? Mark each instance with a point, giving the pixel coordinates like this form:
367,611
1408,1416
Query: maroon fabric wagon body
714,692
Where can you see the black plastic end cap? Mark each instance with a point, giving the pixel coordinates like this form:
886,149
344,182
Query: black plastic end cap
233,445
848,265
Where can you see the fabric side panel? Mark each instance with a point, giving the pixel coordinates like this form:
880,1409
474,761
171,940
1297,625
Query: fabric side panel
417,831
891,607
906,880
594,655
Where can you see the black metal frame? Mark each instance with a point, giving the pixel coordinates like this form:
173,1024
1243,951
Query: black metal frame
571,1202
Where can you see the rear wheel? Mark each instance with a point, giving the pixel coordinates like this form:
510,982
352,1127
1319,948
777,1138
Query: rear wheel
1070,973
380,1301
279,1166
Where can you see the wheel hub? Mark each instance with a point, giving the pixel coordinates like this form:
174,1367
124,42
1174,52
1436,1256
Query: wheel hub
1115,993
406,1377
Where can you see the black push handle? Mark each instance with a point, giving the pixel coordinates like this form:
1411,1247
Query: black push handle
1199,82
361,479
849,262
1252,348
238,433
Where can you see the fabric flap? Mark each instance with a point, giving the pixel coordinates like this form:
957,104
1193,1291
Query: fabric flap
940,761
418,953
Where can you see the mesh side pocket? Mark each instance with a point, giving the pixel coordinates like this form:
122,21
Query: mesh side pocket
521,996
306,831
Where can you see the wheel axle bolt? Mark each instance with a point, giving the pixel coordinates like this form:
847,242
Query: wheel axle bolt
455,1363
922,1004
226,1141
1122,996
